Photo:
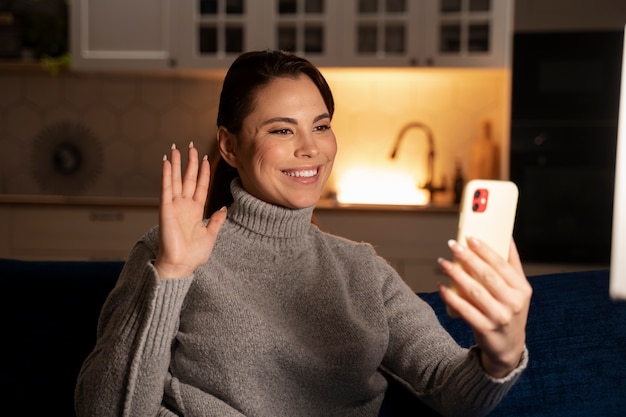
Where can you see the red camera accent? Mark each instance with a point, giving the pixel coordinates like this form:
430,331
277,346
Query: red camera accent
479,204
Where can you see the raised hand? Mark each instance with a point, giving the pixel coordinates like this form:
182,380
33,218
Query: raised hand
493,297
185,242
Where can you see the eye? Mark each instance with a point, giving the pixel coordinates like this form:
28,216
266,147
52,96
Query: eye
322,128
281,132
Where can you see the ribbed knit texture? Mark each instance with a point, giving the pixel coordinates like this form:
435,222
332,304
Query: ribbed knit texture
283,320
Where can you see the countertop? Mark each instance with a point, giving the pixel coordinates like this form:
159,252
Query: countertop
98,201
62,200
329,204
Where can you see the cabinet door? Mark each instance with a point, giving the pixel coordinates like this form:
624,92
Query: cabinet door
212,33
467,33
310,28
441,33
76,232
381,33
115,34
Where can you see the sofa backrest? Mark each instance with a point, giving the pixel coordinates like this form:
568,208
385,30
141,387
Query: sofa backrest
576,337
48,317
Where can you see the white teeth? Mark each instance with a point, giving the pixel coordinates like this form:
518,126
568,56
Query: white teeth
305,173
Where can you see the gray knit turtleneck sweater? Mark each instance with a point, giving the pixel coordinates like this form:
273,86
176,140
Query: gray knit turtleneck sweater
284,320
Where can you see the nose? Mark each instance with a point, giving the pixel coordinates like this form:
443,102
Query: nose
306,146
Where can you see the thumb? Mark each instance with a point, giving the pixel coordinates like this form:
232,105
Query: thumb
216,221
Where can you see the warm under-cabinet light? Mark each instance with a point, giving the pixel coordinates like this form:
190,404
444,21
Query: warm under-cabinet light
366,185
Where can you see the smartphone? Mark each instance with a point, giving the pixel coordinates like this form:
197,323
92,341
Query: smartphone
487,212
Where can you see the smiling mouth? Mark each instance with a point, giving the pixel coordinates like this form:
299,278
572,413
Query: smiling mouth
305,173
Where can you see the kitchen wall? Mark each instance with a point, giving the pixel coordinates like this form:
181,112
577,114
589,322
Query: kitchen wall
373,105
105,134
122,124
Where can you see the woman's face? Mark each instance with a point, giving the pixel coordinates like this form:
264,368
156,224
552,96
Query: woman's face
285,152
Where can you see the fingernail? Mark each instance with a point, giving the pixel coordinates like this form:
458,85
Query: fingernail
444,264
223,208
164,158
454,245
205,158
173,146
473,241
191,144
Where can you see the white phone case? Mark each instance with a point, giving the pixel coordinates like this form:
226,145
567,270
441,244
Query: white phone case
487,212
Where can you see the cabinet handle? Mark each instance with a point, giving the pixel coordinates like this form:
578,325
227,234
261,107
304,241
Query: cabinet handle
106,216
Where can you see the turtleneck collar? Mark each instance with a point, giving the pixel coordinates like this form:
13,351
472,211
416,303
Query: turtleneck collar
267,219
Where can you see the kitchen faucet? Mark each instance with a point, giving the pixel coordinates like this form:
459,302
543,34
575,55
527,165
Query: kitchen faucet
429,185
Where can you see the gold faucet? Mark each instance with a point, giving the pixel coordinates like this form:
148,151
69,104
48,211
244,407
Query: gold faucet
429,185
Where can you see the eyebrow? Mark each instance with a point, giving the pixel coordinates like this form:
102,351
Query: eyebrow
294,121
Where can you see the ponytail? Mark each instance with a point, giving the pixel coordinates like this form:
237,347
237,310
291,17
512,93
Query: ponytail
222,175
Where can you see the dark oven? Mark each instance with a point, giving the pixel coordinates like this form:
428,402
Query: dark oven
563,136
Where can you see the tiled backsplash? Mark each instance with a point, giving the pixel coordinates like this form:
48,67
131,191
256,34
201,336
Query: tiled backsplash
132,122
125,123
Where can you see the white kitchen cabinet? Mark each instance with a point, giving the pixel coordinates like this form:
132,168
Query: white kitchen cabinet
72,232
198,34
410,240
204,34
120,34
440,33
211,34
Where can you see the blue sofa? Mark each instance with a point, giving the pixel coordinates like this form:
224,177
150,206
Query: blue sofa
576,338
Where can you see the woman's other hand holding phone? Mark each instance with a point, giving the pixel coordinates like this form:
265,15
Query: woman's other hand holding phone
493,297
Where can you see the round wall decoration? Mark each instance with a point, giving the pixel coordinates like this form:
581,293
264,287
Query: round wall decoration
65,158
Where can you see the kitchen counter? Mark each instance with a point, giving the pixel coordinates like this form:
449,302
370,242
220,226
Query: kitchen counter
330,204
96,228
62,200
100,201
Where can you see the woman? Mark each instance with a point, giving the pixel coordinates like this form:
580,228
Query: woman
256,312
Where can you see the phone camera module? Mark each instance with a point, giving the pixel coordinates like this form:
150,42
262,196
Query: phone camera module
479,203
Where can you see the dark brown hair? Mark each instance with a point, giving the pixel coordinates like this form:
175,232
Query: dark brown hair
247,74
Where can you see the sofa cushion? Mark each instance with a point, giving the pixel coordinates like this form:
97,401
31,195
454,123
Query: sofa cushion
576,337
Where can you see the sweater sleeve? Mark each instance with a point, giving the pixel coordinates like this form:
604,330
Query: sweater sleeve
124,374
424,358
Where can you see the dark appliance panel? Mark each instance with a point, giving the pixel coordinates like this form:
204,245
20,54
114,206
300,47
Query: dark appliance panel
566,76
563,141
565,176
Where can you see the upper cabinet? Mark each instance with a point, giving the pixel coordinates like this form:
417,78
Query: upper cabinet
196,34
120,34
441,33
212,33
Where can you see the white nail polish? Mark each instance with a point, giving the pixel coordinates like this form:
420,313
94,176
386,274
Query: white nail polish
451,243
173,146
164,158
191,144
